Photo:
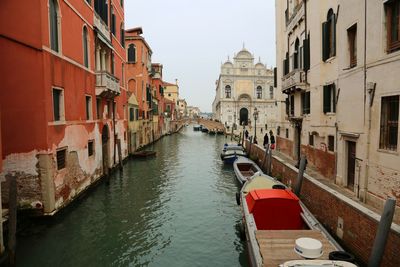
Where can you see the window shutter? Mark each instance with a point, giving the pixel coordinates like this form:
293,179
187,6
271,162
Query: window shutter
303,102
306,45
308,102
275,78
287,105
333,23
326,99
284,67
325,41
333,88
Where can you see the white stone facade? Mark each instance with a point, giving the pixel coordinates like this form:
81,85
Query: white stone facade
243,86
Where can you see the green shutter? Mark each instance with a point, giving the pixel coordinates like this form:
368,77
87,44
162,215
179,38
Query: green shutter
327,97
325,41
306,54
287,105
333,23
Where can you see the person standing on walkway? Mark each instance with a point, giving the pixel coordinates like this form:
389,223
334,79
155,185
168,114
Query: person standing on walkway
266,140
272,139
246,134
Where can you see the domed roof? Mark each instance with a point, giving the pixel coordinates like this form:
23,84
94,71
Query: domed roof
259,65
244,54
228,64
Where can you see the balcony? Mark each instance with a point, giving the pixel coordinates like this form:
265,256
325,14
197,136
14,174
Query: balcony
107,85
101,27
297,16
294,80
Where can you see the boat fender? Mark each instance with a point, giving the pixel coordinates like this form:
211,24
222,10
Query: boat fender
341,256
238,198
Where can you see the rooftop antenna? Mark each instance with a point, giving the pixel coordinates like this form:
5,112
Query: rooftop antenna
243,46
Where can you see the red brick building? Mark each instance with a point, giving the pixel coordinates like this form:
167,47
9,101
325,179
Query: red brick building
63,96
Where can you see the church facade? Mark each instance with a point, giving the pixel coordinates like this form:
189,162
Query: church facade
242,88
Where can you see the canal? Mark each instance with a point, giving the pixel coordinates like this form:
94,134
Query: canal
177,209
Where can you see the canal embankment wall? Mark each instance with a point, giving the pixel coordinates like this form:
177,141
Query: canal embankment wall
351,222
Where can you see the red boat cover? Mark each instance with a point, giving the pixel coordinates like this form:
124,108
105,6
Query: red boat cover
275,209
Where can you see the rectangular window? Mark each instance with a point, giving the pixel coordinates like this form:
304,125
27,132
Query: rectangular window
389,125
136,114
331,143
329,98
90,148
287,133
352,39
278,131
311,139
329,36
131,114
58,104
98,108
61,155
88,107
305,101
393,25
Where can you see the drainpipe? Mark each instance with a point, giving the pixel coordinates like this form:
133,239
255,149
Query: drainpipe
364,187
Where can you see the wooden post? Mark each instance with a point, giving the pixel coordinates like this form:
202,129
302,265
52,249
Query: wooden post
300,175
269,161
265,156
119,154
12,220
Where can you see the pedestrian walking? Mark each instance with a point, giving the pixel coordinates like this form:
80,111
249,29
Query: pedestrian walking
246,134
272,139
266,140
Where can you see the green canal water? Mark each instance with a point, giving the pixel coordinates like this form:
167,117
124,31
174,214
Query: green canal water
177,209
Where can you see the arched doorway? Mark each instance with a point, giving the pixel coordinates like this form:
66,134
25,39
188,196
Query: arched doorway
244,116
104,144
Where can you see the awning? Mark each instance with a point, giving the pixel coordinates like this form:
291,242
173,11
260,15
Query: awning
104,39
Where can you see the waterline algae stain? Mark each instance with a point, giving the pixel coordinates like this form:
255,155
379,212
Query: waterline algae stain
176,209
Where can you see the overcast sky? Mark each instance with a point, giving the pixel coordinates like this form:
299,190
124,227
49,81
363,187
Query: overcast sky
191,38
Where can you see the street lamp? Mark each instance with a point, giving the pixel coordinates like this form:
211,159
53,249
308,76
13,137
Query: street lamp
255,115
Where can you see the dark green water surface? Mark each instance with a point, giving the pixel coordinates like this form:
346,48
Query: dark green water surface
177,209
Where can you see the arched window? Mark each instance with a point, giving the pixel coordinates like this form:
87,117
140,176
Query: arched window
122,36
296,54
85,47
112,21
329,36
131,53
228,91
101,8
259,92
54,9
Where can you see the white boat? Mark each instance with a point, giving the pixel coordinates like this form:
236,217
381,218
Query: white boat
317,263
245,168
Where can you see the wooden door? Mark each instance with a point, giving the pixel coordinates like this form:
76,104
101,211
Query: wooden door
351,164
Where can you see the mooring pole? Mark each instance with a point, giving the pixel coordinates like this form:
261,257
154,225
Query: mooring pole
382,233
269,161
300,175
12,220
265,157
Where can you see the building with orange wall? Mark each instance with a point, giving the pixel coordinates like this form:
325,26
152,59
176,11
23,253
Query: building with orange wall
138,77
63,99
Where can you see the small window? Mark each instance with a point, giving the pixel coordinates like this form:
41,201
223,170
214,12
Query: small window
98,108
278,130
58,104
88,107
113,21
389,125
122,3
305,101
259,92
287,133
311,140
292,105
228,91
54,38
85,47
61,158
131,53
392,8
352,39
296,54
329,98
331,143
131,114
271,92
329,36
122,35
90,148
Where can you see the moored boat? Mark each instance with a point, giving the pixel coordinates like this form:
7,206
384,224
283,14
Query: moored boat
245,168
278,227
144,154
229,155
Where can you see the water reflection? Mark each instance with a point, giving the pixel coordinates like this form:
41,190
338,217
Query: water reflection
177,209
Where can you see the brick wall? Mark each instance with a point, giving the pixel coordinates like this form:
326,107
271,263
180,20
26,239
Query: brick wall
359,229
284,145
323,161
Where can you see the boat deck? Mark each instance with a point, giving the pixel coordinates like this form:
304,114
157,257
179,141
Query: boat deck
277,246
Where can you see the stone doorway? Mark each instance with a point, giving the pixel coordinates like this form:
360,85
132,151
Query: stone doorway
244,116
105,151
